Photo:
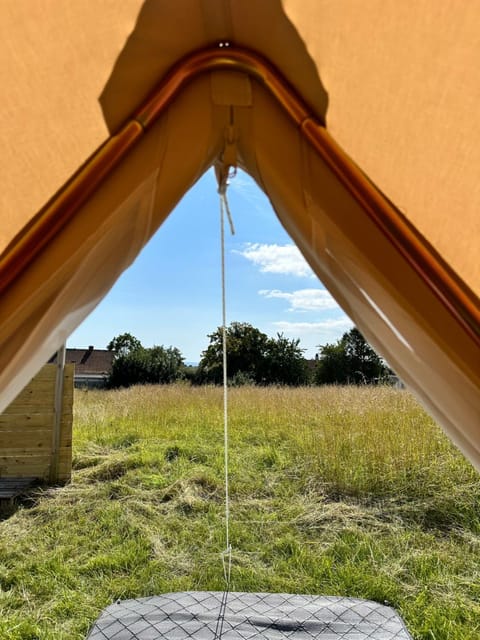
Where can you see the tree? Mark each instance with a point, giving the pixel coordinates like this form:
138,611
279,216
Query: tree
164,365
252,357
365,365
332,366
285,362
124,344
246,352
135,364
350,361
129,369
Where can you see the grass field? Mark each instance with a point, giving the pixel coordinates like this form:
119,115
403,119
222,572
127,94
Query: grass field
338,491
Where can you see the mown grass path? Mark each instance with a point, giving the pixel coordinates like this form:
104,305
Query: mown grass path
336,491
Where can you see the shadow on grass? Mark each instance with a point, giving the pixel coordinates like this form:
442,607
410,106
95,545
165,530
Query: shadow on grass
26,499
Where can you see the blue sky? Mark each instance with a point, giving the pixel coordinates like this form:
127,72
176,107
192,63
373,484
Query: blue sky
171,295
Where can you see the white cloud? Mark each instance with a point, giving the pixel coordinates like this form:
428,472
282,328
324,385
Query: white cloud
314,334
276,258
297,328
303,299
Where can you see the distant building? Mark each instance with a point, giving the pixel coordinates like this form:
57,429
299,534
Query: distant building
92,366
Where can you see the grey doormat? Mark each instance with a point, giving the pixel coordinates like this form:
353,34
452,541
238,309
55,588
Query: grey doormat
197,614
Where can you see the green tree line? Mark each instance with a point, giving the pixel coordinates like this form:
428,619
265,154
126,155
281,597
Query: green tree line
252,358
135,364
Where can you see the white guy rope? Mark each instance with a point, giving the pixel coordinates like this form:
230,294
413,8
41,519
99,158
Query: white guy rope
227,553
225,211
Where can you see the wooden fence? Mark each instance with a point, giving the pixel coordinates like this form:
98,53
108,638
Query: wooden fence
34,441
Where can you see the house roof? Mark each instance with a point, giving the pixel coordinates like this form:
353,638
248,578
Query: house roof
89,361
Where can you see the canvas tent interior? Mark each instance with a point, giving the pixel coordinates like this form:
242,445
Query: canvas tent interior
327,105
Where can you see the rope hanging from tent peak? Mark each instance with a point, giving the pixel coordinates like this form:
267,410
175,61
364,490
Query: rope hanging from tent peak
226,555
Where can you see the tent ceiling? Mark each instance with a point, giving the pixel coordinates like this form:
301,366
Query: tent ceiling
399,81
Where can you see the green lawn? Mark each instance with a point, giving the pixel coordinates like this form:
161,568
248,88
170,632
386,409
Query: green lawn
338,491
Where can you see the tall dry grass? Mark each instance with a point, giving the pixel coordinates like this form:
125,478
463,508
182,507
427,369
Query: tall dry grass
335,491
345,440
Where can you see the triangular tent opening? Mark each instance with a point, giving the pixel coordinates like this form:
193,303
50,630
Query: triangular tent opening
235,109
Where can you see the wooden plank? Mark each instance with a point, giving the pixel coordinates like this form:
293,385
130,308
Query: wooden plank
40,405
39,470
35,409
26,449
41,381
24,466
31,421
45,386
65,452
47,372
24,437
40,388
36,472
42,393
44,379
32,446
18,432
64,466
30,440
9,435
58,409
22,458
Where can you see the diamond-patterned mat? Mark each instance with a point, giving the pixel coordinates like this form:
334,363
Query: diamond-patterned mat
195,614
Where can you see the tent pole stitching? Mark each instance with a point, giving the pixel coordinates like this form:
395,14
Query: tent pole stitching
453,293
